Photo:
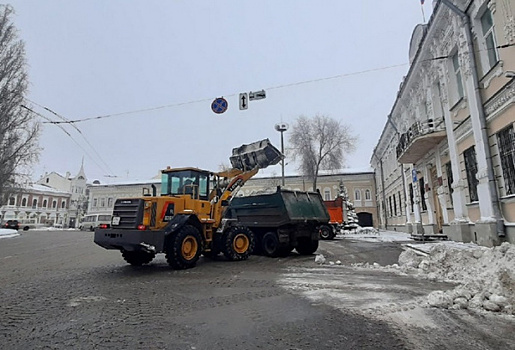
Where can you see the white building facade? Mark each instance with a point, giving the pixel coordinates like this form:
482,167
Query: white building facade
75,186
445,161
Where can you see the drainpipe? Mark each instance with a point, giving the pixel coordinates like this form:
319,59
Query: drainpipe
382,190
482,118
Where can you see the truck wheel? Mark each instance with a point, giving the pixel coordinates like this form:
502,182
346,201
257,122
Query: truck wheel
183,248
238,243
306,246
326,232
137,258
270,244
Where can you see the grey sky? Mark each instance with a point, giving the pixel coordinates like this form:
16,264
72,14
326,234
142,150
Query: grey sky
92,58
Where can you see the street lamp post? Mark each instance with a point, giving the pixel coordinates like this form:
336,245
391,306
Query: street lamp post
282,127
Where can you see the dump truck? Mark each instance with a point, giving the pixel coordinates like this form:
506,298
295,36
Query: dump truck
337,214
281,221
185,221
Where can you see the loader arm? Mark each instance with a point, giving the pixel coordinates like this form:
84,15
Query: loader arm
239,178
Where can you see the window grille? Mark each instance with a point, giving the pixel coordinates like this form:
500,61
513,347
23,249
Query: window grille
506,143
471,169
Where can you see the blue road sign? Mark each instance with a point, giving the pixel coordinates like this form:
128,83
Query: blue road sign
219,105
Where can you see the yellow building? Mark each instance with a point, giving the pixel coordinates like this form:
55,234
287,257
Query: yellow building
445,161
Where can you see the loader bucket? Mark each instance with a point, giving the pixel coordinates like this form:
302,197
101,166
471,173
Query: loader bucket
261,153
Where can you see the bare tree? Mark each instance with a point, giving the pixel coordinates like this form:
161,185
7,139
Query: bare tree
19,130
320,143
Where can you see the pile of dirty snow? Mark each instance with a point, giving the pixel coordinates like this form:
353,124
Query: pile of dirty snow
486,276
8,233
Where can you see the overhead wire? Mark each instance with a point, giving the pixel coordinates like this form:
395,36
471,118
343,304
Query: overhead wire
110,172
67,133
268,88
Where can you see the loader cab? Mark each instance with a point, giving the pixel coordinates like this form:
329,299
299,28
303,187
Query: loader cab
185,181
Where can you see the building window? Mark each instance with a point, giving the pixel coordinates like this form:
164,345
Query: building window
47,179
95,202
24,202
487,25
457,76
102,202
12,201
54,204
110,202
506,143
357,195
411,198
368,196
44,203
390,202
448,171
63,204
471,169
422,193
394,205
400,203
34,203
327,195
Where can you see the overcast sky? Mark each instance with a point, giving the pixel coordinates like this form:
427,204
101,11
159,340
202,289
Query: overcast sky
97,57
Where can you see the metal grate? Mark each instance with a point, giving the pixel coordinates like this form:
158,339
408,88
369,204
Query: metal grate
471,168
506,142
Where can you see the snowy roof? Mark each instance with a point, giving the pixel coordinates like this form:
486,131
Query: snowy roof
43,188
128,182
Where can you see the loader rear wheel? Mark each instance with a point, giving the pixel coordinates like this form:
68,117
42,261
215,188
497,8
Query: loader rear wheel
306,246
270,244
137,258
326,232
238,243
183,248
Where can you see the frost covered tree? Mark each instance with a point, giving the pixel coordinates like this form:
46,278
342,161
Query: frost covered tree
320,143
18,128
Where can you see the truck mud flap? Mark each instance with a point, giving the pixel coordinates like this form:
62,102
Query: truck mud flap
261,153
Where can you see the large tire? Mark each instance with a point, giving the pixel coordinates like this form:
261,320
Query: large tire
238,243
306,246
138,258
270,244
326,232
183,248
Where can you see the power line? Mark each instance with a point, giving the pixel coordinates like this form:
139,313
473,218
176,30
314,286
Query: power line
67,133
77,129
230,95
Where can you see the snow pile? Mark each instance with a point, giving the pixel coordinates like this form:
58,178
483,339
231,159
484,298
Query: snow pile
8,233
370,234
486,276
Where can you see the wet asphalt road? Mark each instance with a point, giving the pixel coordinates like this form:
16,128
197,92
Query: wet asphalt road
60,291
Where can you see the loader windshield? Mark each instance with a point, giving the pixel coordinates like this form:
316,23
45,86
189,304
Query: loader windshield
181,182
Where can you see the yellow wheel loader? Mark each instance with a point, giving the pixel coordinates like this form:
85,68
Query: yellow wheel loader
186,220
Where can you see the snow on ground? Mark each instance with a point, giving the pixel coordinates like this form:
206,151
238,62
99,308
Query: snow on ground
370,234
8,233
485,276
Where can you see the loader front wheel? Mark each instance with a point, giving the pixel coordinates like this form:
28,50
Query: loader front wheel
183,248
137,258
238,243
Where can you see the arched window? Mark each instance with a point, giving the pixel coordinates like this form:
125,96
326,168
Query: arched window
44,203
63,204
12,201
24,202
367,195
357,195
54,204
34,203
